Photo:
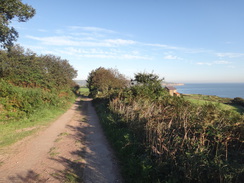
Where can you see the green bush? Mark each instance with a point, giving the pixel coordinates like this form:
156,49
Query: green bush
168,139
238,101
18,102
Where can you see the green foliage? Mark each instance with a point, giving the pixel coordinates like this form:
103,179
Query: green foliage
148,85
23,110
103,82
17,102
239,101
84,91
148,79
222,103
131,154
9,10
169,139
25,68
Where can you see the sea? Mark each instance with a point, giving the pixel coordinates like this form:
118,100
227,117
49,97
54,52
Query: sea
229,90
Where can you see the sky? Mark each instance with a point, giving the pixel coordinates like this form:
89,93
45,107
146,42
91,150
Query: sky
183,41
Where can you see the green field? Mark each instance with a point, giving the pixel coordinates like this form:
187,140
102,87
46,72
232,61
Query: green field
84,91
222,103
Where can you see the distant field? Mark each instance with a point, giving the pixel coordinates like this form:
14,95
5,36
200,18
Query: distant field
84,91
223,103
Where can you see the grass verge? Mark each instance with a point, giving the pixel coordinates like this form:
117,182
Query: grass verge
134,163
16,130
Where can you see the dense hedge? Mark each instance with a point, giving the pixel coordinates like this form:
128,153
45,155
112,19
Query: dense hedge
24,68
238,101
167,139
19,102
29,82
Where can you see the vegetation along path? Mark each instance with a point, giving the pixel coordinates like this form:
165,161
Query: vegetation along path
72,149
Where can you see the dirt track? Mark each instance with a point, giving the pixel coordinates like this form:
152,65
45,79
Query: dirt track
73,145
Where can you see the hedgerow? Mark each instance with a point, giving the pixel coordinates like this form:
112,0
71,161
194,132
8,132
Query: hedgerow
160,138
30,82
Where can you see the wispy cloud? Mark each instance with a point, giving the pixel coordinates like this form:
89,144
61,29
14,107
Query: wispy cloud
91,29
230,55
55,40
172,57
101,54
164,46
205,63
222,62
120,42
72,41
218,62
96,42
125,56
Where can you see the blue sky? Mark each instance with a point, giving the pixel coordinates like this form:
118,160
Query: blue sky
182,41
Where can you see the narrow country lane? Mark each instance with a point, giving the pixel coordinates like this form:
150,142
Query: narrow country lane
73,148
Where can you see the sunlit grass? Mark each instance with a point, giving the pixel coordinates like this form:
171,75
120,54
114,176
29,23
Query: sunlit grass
222,103
84,91
15,130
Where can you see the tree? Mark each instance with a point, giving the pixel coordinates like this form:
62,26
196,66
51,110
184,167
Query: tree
103,81
24,68
148,84
9,10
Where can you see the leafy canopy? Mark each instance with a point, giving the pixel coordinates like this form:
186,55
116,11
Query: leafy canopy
25,68
148,84
103,81
10,10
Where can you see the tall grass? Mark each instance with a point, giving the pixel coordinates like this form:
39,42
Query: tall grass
179,141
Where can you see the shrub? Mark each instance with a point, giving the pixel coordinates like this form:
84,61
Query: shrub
238,101
18,102
181,142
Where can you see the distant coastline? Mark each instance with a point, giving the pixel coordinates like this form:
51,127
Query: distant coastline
83,83
172,84
229,90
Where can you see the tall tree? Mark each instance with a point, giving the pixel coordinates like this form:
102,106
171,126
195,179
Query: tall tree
9,10
102,81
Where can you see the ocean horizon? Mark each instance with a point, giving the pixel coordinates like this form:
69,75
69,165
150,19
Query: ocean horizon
228,90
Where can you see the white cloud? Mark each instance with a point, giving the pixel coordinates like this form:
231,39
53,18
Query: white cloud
172,57
112,56
164,46
55,40
204,63
218,62
119,42
230,55
102,53
126,56
177,48
92,29
72,41
222,62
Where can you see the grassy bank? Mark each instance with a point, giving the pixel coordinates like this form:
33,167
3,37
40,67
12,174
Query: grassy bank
16,130
26,110
222,103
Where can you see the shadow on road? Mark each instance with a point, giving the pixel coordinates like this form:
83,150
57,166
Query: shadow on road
31,177
94,161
